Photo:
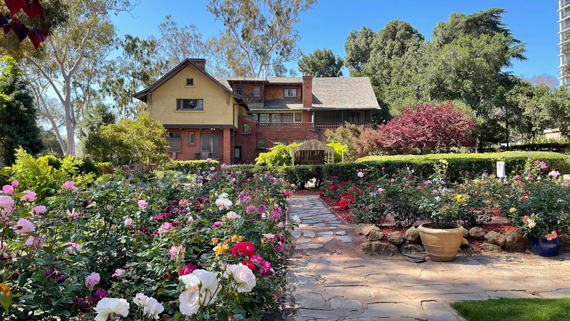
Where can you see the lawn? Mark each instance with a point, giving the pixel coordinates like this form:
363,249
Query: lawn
514,309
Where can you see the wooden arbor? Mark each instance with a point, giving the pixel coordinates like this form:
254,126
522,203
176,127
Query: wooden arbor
313,152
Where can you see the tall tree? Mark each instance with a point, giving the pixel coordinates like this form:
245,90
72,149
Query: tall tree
139,66
358,46
73,54
178,43
321,63
18,116
259,36
543,79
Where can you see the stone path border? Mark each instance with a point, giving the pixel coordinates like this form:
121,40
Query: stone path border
345,286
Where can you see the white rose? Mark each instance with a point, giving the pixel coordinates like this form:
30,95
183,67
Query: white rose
232,216
110,306
296,219
153,308
189,302
243,277
531,223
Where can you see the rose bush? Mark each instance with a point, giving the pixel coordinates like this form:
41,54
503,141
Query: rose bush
175,246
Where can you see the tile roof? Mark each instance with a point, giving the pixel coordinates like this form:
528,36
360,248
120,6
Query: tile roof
328,93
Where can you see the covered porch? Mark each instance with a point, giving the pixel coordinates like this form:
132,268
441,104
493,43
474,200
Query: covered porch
190,142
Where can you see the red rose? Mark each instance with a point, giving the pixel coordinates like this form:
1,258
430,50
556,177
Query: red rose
187,269
243,249
249,264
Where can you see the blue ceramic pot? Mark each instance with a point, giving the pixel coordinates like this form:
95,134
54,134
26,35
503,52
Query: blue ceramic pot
543,247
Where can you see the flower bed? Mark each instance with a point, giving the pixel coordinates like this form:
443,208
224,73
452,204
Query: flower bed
168,246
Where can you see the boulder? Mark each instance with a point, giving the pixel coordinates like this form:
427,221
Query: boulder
491,247
465,243
465,232
366,247
396,238
514,241
412,235
477,232
366,229
384,248
495,238
375,235
410,248
359,228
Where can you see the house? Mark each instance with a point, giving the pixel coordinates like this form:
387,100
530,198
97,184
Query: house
234,119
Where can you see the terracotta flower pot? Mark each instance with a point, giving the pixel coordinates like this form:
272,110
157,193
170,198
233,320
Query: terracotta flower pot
441,245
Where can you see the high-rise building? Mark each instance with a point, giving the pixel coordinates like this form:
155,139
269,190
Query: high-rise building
564,25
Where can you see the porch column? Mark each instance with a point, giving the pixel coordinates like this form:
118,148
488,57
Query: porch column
226,147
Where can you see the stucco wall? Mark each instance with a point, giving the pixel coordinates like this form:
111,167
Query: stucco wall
218,109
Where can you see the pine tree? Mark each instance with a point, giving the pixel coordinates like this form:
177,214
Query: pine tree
18,115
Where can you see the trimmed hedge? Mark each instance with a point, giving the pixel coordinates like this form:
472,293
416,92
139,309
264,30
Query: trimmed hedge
191,166
460,166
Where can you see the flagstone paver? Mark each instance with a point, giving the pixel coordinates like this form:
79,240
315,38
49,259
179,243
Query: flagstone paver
332,280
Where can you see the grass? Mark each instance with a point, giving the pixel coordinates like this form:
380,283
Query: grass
515,309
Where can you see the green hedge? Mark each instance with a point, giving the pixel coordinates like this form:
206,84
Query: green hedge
191,166
460,165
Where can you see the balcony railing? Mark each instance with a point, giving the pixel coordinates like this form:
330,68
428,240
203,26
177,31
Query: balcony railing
307,126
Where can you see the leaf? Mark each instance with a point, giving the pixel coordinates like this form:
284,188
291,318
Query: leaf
222,316
16,5
5,301
34,9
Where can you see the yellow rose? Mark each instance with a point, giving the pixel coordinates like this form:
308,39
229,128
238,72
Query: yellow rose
512,210
235,238
215,240
459,198
221,249
271,200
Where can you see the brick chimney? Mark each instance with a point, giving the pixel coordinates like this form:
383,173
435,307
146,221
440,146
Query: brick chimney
199,62
307,91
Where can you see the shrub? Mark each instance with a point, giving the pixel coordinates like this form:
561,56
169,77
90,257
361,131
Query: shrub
282,155
192,166
46,174
129,142
426,128
347,136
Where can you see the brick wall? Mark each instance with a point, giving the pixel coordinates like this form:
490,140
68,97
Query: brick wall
188,151
248,92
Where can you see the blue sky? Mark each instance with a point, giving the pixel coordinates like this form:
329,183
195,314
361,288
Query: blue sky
328,23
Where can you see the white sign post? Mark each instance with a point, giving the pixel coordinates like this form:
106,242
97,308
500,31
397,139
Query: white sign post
500,169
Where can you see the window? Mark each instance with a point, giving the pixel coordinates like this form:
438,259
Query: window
275,118
189,82
189,104
287,118
173,134
290,93
191,138
246,128
256,91
264,118
280,140
298,117
239,90
261,143
353,117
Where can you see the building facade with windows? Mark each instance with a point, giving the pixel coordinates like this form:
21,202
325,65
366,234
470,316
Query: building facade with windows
564,33
234,119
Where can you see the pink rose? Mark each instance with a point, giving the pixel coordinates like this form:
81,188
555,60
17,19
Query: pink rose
72,214
360,174
23,227
6,204
72,248
40,209
176,251
142,203
92,280
69,185
30,196
8,189
35,241
15,184
118,272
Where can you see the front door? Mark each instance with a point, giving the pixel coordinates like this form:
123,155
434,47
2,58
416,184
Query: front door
210,145
237,155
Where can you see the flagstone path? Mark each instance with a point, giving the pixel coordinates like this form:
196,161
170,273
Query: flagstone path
331,279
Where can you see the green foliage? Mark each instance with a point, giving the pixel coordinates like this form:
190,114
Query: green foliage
18,115
129,142
45,175
100,115
192,166
278,155
346,135
321,63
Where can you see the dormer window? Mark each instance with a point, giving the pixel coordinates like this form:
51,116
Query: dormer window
239,90
189,82
290,93
189,104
